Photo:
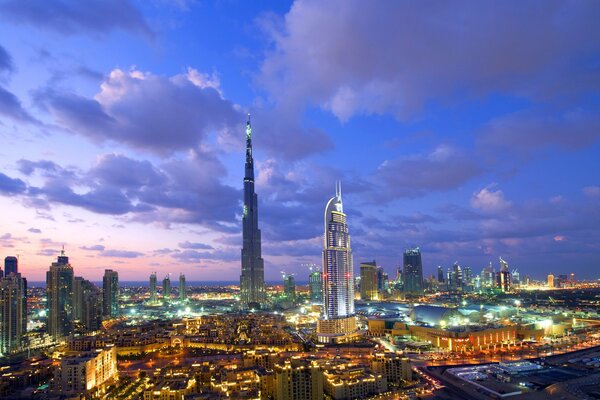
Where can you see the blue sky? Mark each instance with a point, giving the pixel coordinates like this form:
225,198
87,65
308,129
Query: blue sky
468,129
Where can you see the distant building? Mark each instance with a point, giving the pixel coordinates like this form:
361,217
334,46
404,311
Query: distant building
338,322
289,287
503,277
315,286
110,294
166,289
11,265
59,293
182,288
85,373
440,274
487,277
13,312
413,271
368,281
455,278
152,288
392,367
550,280
87,304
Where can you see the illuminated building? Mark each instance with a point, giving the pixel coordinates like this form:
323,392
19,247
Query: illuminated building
13,312
413,271
352,382
87,304
252,278
152,287
59,290
368,281
289,287
166,289
455,278
440,274
85,373
550,280
487,276
392,367
182,288
338,322
298,379
503,277
110,293
170,389
315,285
11,265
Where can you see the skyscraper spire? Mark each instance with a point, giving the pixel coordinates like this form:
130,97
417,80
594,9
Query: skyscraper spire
252,278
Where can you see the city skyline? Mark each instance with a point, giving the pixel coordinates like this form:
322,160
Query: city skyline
130,154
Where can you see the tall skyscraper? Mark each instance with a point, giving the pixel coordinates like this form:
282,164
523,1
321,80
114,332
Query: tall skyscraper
289,287
315,286
182,288
87,305
413,271
440,274
487,276
252,279
11,265
110,294
503,277
369,281
455,277
338,322
59,294
152,289
13,312
166,289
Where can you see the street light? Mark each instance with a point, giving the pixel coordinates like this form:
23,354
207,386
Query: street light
518,304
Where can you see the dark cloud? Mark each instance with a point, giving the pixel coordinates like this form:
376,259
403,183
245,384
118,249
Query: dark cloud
6,63
11,107
395,57
147,111
195,246
10,185
72,16
124,172
34,230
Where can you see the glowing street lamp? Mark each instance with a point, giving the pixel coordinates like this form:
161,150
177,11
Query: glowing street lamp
518,304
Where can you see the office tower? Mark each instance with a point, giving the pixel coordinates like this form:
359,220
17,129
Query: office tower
110,286
182,288
166,289
13,312
440,274
413,271
87,304
152,288
550,280
515,277
503,277
455,278
59,293
11,265
368,281
315,286
1,273
289,287
380,273
561,281
487,276
338,322
252,278
467,283
399,278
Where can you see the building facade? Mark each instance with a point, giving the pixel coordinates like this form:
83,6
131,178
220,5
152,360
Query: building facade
315,286
152,289
59,293
413,271
182,288
110,294
13,313
252,278
369,281
11,265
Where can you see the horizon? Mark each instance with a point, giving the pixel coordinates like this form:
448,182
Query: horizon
123,137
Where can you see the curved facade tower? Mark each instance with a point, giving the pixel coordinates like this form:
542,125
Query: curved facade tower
252,279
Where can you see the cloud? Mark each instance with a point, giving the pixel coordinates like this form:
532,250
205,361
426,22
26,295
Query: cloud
120,254
6,63
444,168
97,247
34,230
71,16
189,256
10,185
489,200
11,107
124,172
592,191
147,111
195,246
395,57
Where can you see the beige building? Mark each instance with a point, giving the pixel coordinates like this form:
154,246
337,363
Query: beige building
368,281
394,369
86,373
170,389
550,280
298,379
353,383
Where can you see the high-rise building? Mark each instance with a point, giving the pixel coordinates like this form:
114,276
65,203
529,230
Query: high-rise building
13,312
152,288
338,322
467,283
166,289
289,287
440,274
550,280
59,294
84,373
110,287
455,278
487,276
182,288
252,278
11,265
315,286
87,304
368,281
413,271
503,277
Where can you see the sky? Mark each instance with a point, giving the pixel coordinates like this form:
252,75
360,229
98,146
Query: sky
469,129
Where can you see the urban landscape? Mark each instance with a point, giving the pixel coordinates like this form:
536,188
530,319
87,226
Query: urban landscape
136,263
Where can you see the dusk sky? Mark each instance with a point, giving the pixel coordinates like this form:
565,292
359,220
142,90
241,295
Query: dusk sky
470,129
